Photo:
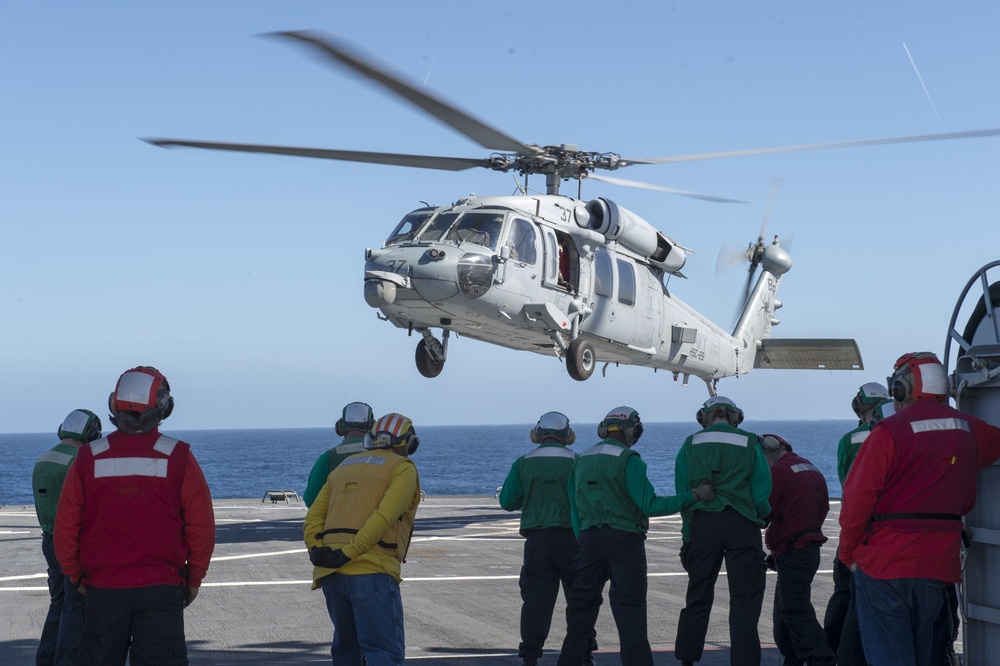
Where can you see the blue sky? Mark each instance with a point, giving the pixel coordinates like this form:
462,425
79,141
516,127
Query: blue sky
240,276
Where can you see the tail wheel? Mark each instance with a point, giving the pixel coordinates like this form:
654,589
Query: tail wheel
426,365
581,359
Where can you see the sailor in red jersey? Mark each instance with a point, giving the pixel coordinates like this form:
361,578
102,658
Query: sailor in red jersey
135,530
901,521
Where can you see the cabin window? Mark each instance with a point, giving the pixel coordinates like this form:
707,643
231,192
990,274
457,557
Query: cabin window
603,278
409,226
626,283
480,228
438,226
521,241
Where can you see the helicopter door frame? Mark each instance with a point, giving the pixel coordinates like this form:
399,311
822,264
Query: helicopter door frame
562,261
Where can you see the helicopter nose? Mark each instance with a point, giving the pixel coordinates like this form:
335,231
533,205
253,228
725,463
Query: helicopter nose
380,293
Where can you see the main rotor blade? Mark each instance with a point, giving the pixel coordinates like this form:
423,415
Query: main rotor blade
397,159
671,190
947,136
478,131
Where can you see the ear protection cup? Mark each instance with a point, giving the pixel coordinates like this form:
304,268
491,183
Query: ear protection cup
414,442
533,435
739,417
340,428
900,389
637,431
602,430
700,418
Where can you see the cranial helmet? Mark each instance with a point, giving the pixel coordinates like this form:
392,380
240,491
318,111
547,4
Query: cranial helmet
623,419
141,400
918,376
555,425
773,443
734,415
82,425
881,411
869,395
356,416
393,431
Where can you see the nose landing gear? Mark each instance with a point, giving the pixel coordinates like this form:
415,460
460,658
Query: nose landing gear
431,354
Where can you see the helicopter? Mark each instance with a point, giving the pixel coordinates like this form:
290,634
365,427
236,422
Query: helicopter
585,281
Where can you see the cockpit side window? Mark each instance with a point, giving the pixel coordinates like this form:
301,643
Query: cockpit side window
409,226
626,282
480,228
521,241
438,226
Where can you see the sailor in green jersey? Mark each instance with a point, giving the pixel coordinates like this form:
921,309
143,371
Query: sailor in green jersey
537,484
355,421
840,622
727,527
611,500
64,622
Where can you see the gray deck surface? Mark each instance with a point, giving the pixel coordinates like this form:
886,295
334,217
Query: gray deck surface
460,591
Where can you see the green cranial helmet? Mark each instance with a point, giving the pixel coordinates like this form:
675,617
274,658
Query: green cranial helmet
82,425
869,395
719,404
553,425
624,419
356,416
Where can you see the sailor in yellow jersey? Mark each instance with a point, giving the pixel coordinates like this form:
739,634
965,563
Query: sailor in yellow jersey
358,531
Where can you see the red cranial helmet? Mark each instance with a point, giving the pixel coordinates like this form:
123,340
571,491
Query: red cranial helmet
918,376
141,400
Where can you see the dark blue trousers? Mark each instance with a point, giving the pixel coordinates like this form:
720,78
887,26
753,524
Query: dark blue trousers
717,536
144,624
606,553
548,564
797,633
64,621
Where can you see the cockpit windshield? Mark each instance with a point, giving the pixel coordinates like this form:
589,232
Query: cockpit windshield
437,228
478,227
408,227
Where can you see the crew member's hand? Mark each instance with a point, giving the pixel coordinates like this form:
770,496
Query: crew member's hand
327,557
189,594
769,563
854,567
705,492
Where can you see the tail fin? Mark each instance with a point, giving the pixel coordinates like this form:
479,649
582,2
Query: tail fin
757,319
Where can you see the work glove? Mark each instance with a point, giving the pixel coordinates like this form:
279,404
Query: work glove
327,557
769,563
705,491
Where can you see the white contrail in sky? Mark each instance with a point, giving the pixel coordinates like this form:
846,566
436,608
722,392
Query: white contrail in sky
924,86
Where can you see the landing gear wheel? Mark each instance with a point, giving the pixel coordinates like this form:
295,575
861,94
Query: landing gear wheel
581,359
426,365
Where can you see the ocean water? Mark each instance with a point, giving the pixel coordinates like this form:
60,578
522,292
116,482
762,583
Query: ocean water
451,460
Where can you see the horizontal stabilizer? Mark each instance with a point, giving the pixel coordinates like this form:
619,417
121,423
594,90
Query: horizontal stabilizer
809,354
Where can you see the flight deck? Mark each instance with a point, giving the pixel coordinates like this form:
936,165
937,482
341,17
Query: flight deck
460,590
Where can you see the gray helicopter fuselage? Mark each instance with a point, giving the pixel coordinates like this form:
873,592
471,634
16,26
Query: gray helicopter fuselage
536,272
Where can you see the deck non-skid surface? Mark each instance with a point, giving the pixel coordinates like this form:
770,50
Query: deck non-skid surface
460,593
